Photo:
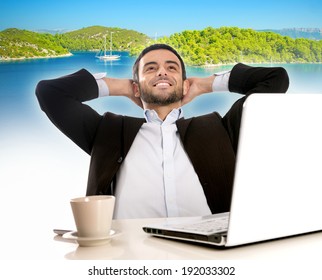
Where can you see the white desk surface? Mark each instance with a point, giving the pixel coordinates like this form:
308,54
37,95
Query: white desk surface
134,244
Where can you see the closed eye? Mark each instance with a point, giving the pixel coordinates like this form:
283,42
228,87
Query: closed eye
150,66
173,68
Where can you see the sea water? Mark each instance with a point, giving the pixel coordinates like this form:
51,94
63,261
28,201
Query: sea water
18,80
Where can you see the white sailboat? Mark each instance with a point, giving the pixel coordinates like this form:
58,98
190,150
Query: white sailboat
103,56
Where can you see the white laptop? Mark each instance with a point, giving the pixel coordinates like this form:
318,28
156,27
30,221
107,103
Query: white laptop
277,188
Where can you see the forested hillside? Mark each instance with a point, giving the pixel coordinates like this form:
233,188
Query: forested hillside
232,44
210,46
92,38
16,43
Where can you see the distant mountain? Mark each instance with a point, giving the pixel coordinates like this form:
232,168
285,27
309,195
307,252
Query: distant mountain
295,33
51,31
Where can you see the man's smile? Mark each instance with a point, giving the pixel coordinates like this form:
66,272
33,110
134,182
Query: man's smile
162,83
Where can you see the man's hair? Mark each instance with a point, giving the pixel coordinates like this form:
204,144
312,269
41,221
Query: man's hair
152,48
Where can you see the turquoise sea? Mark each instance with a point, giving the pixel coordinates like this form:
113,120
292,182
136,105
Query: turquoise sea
19,78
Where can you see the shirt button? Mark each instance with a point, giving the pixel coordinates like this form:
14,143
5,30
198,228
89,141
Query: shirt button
120,160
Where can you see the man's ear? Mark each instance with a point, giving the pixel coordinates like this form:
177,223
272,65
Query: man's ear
186,86
136,89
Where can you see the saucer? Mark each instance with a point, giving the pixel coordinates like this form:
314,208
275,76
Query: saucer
90,241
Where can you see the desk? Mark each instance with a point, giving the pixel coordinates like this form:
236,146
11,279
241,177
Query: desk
27,234
279,259
133,243
287,258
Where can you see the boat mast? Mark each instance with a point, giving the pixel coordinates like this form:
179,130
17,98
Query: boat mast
105,45
111,43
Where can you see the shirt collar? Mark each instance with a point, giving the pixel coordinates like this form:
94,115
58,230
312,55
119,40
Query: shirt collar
151,116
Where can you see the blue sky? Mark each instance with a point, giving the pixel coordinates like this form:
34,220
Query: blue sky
159,17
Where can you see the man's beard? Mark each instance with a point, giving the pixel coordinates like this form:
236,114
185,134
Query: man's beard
163,100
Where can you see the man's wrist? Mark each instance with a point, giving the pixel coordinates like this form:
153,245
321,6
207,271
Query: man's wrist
103,89
220,82
208,83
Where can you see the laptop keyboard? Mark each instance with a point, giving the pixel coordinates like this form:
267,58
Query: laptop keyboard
218,224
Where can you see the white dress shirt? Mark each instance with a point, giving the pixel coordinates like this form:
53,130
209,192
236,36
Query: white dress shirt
156,178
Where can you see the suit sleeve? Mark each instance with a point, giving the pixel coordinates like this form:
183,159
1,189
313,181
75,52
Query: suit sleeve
246,80
62,101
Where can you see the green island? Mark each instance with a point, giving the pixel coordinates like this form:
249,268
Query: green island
207,47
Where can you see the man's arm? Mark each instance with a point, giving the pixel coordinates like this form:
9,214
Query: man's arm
62,100
243,79
246,80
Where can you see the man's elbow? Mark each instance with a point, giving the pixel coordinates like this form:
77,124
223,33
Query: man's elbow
283,80
43,93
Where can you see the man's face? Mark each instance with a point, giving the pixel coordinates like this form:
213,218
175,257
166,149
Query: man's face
160,78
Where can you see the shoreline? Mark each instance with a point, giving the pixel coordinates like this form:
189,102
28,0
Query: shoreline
206,66
8,59
211,66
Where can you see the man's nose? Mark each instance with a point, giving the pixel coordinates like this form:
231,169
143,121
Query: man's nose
162,72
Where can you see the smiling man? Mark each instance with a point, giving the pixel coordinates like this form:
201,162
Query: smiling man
162,165
160,83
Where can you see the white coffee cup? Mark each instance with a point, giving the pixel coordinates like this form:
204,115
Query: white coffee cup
93,215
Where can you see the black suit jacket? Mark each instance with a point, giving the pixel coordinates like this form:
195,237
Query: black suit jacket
210,141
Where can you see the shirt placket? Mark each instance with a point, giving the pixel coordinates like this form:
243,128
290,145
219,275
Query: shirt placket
168,169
